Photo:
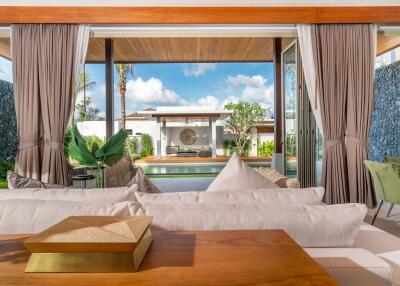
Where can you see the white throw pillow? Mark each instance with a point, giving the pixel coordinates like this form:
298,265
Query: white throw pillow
310,226
105,195
237,175
32,216
308,196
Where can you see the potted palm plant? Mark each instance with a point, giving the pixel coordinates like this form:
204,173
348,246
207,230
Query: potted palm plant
99,156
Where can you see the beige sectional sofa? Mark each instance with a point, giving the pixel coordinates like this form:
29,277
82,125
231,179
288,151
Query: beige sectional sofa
354,254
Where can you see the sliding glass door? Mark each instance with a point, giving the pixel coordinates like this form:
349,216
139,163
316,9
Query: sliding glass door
301,137
290,90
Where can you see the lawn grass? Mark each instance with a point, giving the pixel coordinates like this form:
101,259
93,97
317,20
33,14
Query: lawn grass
3,184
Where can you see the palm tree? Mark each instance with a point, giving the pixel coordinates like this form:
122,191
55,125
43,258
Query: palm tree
123,71
85,84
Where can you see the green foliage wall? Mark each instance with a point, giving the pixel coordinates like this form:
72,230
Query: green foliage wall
8,123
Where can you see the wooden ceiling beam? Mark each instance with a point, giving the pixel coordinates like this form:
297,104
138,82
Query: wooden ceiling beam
199,15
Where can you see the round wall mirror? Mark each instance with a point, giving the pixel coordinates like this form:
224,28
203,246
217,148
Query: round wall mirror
187,136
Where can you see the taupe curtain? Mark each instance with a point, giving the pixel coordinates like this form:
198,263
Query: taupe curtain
25,60
57,92
360,98
343,65
46,63
330,57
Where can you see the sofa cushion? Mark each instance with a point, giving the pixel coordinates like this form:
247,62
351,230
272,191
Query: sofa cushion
32,216
105,195
278,179
144,184
308,196
237,175
16,181
310,226
353,266
383,244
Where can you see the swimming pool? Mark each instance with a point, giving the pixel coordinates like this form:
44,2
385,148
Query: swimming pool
189,168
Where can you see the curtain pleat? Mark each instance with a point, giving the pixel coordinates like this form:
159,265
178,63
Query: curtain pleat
360,98
343,68
47,60
25,59
57,93
331,84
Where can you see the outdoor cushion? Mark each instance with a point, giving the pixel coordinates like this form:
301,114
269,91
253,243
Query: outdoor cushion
237,175
144,184
16,181
32,216
353,266
310,226
278,179
307,196
105,195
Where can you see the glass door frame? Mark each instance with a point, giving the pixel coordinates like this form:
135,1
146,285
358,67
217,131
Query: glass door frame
284,143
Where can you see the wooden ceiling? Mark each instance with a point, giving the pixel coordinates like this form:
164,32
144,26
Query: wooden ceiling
386,43
142,50
150,50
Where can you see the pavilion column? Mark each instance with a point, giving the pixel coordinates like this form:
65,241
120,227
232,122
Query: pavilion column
109,88
213,137
159,138
163,138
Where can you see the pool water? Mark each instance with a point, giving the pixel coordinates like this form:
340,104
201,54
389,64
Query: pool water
189,169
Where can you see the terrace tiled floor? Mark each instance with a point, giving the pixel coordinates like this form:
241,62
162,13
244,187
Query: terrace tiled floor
390,224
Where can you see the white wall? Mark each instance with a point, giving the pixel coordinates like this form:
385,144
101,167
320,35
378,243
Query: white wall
95,128
203,136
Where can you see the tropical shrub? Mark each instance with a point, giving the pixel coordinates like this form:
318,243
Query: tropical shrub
67,140
226,144
93,140
291,145
4,167
266,148
107,154
146,144
133,148
232,147
242,122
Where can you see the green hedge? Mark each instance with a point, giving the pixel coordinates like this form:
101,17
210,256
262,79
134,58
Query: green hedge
146,144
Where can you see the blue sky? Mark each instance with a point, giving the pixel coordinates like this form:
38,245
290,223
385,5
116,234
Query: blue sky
173,84
211,84
5,69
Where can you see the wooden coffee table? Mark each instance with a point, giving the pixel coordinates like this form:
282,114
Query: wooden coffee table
251,257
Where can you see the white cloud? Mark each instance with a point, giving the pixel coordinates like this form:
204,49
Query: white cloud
209,100
5,74
198,69
230,99
255,89
140,92
213,101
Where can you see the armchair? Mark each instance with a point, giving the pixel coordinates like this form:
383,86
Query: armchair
386,183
